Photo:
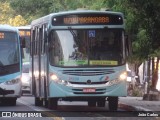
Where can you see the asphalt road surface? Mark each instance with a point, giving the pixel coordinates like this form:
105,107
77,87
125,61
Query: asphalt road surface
26,110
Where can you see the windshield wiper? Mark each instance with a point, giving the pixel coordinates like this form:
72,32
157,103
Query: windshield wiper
74,36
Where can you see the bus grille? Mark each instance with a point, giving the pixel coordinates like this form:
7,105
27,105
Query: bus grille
92,83
88,72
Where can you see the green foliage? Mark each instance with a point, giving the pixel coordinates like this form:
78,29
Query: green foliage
142,44
147,12
8,15
31,9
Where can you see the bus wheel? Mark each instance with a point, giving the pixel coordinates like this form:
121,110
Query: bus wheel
12,101
92,103
9,101
101,103
38,102
113,103
52,103
46,103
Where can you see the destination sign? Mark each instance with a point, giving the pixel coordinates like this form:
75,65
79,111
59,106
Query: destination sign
87,19
1,35
24,33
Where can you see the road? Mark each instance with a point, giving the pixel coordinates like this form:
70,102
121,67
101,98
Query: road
65,111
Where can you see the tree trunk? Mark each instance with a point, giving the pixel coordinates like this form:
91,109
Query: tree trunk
155,74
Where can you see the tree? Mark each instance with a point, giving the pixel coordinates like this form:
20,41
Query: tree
17,21
8,15
6,12
148,13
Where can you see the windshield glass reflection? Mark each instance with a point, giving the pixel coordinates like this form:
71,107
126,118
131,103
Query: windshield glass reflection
9,49
98,47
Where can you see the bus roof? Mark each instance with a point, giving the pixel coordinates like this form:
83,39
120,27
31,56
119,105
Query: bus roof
8,28
47,18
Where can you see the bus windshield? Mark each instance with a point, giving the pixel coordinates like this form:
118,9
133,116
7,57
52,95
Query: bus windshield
9,48
93,47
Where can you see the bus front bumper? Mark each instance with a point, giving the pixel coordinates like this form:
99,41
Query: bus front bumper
104,90
5,92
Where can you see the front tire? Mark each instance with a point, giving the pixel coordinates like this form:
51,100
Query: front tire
13,101
38,102
9,101
91,103
101,103
113,103
52,103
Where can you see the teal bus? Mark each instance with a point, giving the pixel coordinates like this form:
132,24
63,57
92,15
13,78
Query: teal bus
79,56
10,65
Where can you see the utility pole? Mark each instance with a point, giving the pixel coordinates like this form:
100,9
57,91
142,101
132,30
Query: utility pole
147,78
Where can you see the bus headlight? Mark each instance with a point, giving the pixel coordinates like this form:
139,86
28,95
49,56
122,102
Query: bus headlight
56,79
25,79
36,73
123,76
11,82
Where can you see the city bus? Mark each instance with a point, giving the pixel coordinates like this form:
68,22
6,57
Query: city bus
10,65
24,32
79,56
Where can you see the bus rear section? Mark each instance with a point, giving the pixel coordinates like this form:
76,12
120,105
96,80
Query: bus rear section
10,65
80,56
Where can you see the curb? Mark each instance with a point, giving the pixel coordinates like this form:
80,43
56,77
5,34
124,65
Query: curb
132,108
126,107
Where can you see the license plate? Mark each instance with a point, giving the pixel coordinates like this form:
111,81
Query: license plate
89,90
